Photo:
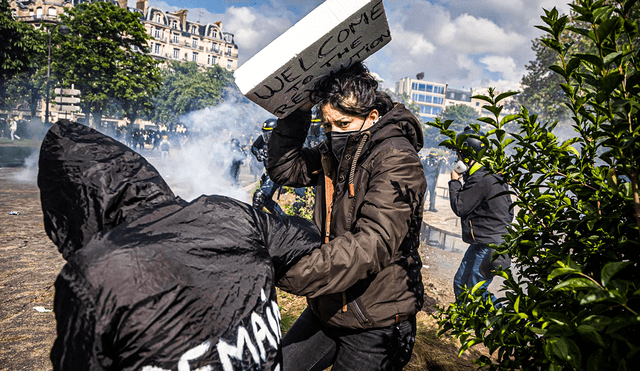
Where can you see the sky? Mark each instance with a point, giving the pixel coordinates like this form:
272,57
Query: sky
463,43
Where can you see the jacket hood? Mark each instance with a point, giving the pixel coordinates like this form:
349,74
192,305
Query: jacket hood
399,122
91,183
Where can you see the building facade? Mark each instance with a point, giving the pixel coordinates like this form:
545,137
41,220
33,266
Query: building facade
173,36
456,97
428,96
432,98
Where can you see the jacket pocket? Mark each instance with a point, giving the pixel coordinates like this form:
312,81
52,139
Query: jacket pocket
358,313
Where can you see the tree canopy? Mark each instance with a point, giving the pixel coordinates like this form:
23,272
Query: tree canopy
105,56
186,88
21,45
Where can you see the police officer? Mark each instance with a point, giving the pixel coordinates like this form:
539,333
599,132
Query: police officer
238,156
432,165
263,196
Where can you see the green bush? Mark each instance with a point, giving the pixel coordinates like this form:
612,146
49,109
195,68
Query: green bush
572,298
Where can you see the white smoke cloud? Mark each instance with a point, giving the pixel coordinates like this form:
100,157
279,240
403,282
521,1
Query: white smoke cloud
201,164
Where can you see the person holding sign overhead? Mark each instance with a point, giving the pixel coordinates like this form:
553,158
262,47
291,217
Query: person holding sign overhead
363,286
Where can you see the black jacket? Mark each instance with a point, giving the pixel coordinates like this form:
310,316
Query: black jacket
153,282
369,209
483,207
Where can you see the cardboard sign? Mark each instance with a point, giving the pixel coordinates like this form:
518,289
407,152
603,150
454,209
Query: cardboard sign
334,35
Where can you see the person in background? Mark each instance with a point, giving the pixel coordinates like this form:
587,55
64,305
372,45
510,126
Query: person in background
432,165
238,155
263,196
364,285
484,215
165,146
13,127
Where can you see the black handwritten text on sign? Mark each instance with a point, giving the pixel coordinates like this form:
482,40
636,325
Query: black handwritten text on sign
366,32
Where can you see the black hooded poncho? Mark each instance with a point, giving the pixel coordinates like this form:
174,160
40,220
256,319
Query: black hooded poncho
152,282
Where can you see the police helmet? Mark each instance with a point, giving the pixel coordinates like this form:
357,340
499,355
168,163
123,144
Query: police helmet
475,144
269,124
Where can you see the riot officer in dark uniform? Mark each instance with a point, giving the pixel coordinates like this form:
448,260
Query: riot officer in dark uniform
237,159
432,165
263,196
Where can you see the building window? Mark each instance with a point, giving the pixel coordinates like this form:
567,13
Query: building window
176,53
438,90
159,18
52,11
39,13
156,33
215,47
175,38
194,57
425,110
477,104
194,43
228,49
211,60
193,29
174,25
214,33
436,111
157,48
437,100
229,64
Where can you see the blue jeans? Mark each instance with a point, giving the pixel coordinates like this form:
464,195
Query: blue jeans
311,345
476,266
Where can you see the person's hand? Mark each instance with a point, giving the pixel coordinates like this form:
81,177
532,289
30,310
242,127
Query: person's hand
454,175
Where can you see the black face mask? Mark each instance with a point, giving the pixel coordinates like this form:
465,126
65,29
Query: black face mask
338,142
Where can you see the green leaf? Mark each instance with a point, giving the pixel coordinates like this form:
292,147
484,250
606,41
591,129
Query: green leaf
610,269
566,350
506,95
576,284
597,361
561,272
591,59
468,344
559,70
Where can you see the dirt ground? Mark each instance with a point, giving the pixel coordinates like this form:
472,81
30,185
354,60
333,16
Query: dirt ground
29,264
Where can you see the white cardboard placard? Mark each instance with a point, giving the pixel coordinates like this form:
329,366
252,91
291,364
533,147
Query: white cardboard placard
334,35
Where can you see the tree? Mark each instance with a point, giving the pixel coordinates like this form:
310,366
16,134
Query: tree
21,45
106,57
188,88
574,303
541,91
461,115
404,99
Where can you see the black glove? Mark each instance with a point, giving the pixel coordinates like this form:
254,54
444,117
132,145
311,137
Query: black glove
258,199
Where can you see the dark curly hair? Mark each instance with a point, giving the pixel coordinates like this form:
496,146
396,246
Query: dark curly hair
352,91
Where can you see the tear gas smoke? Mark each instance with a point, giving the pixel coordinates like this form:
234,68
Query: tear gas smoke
201,164
198,163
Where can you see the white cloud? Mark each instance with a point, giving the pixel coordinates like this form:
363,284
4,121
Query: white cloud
477,35
252,30
507,67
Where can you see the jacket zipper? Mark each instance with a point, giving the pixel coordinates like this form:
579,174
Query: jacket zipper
358,312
